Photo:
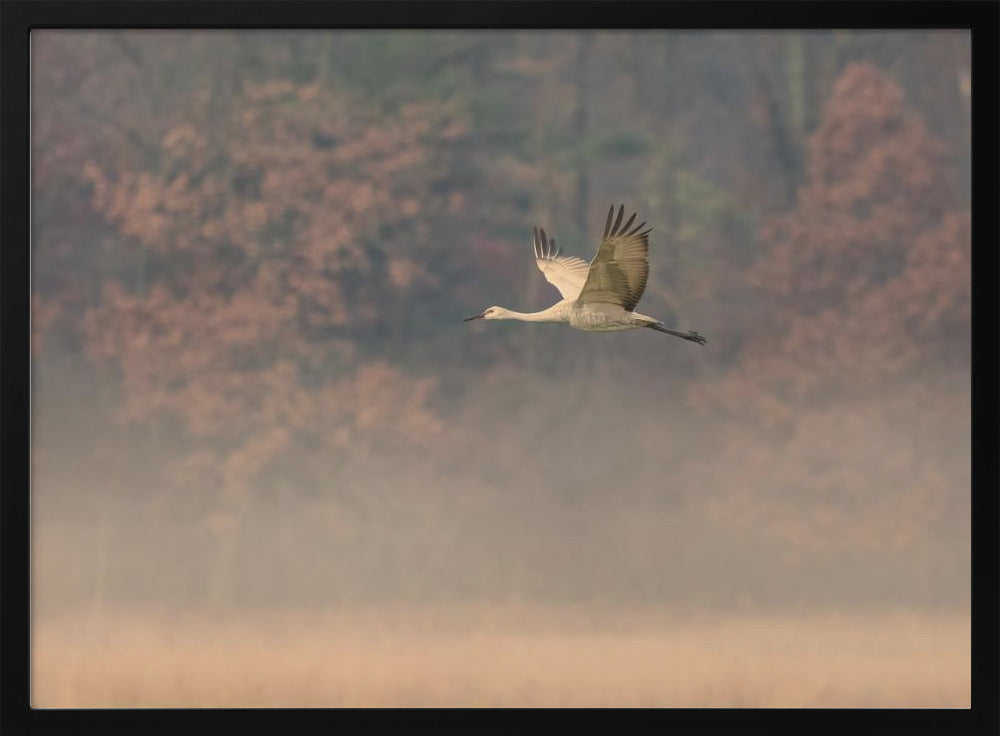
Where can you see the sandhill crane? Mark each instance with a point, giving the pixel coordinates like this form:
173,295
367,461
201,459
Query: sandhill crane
599,297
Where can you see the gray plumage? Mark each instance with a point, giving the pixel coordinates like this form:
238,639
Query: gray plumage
601,296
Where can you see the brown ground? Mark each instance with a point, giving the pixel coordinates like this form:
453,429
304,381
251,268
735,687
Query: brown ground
505,655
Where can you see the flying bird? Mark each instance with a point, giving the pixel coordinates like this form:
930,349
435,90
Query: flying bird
601,296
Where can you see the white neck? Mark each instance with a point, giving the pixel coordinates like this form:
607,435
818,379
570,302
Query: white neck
556,313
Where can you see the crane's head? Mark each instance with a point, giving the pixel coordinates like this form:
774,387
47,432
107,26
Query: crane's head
489,313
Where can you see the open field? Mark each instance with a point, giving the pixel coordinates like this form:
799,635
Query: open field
505,655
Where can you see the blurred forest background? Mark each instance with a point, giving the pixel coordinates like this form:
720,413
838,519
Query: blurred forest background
253,389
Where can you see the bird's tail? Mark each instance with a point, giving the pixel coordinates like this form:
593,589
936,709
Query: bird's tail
689,335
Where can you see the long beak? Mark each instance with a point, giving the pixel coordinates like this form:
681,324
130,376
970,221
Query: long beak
475,316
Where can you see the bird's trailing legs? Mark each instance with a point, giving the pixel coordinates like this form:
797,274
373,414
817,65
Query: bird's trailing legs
689,335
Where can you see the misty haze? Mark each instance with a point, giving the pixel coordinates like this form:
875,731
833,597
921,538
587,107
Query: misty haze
272,466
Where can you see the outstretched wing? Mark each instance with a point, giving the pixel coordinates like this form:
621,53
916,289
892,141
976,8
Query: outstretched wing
566,273
619,271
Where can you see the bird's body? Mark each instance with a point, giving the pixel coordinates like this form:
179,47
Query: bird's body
605,318
588,317
601,296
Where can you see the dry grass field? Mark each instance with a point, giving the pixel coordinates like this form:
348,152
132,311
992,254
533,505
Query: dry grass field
500,656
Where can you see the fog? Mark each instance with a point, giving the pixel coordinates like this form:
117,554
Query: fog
607,499
266,445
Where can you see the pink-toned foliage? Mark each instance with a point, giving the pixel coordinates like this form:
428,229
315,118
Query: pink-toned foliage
267,262
250,265
863,294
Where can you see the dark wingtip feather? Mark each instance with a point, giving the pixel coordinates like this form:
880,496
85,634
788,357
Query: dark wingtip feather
618,220
607,225
628,223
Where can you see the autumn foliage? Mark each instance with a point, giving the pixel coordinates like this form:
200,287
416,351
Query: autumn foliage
266,265
862,329
262,248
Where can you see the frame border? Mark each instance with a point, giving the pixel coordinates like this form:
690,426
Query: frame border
19,17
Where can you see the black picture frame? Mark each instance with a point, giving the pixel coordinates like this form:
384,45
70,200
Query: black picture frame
18,18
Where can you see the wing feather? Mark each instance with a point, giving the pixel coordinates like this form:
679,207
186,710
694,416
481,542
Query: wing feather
566,273
619,271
